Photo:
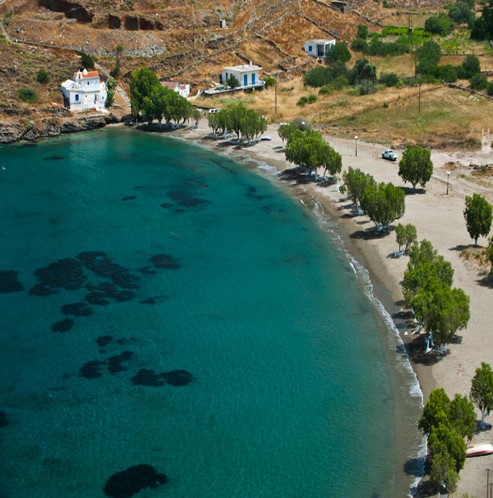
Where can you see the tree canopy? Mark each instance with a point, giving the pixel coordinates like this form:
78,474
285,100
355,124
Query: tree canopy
478,216
383,203
427,57
309,150
406,235
416,166
337,53
482,390
356,182
447,423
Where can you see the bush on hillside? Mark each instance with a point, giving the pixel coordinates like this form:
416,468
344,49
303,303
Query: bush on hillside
42,77
27,95
389,79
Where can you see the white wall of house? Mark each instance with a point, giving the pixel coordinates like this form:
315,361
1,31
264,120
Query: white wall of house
318,48
248,75
84,91
180,88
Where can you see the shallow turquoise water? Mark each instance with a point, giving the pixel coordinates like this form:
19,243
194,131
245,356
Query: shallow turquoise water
292,393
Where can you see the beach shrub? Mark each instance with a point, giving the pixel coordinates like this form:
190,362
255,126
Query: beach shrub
416,166
478,216
27,95
482,390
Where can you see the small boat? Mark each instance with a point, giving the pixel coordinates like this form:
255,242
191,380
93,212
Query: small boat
479,450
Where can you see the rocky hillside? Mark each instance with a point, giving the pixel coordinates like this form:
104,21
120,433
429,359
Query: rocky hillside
189,41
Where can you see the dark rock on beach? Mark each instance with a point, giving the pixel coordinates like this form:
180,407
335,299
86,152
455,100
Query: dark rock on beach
63,325
131,481
9,282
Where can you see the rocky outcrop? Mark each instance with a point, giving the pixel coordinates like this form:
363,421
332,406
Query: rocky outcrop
31,131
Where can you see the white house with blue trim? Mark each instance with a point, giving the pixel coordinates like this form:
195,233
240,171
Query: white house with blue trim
248,75
84,91
318,48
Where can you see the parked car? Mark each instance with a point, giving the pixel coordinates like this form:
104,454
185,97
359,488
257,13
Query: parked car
390,155
213,110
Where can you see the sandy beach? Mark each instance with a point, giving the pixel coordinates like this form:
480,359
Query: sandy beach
437,213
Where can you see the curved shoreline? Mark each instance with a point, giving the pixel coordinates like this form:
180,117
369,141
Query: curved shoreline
438,217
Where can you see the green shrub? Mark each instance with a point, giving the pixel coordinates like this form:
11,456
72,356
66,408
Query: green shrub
359,45
317,77
439,25
446,73
339,83
312,98
270,81
389,79
478,82
362,31
302,101
42,77
366,88
489,89
325,90
87,61
27,95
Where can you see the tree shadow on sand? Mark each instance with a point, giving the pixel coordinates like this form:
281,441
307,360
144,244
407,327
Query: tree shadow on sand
417,352
370,234
411,191
486,280
459,247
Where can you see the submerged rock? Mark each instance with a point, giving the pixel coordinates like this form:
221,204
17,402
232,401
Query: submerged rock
77,309
92,369
9,282
119,363
165,261
63,325
65,273
178,377
104,340
148,377
4,421
131,481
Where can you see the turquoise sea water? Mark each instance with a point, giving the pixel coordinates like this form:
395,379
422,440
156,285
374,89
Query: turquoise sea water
293,389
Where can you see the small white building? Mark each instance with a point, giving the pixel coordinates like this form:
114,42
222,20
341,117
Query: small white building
248,75
84,91
179,88
318,48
